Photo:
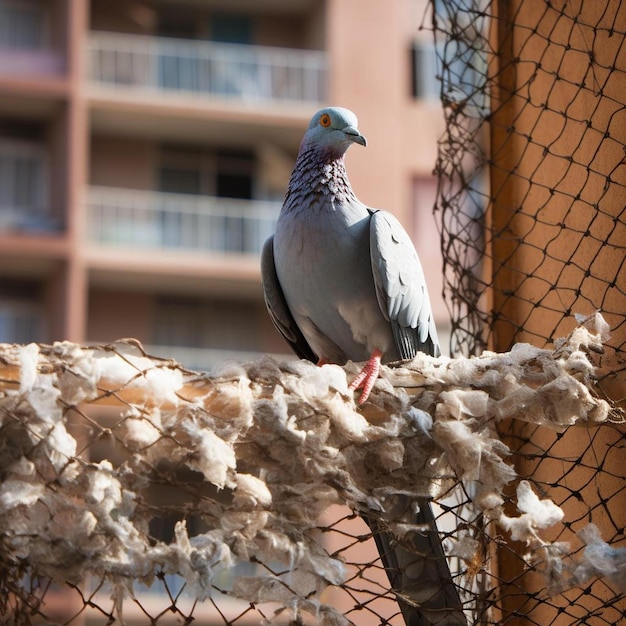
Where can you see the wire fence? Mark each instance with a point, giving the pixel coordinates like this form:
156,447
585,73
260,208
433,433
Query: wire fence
531,171
135,491
533,223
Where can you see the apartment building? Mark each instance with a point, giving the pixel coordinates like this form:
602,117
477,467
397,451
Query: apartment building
145,146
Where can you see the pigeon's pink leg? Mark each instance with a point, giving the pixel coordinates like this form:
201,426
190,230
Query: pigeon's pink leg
367,376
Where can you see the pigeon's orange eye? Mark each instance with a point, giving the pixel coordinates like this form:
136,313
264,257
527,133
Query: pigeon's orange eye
325,120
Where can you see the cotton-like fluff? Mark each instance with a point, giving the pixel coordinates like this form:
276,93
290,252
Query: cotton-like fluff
285,451
536,514
600,559
251,492
28,357
152,383
141,428
15,492
214,457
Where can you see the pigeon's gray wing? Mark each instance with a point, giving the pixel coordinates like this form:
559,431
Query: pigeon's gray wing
401,287
277,306
416,563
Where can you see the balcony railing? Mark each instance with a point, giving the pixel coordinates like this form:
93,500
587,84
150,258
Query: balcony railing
184,66
151,219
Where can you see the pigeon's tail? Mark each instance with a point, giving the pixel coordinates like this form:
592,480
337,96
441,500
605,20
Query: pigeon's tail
418,572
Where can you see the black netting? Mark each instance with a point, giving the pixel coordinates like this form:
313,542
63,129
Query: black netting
531,210
531,171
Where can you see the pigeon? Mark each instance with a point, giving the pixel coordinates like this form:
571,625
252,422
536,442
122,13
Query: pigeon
341,282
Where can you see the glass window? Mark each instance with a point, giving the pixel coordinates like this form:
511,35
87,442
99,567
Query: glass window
21,317
22,24
424,84
227,28
23,186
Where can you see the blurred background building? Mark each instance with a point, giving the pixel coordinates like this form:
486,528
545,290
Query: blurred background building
145,146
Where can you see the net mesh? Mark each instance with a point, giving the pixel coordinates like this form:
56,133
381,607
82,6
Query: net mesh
533,225
531,171
135,490
145,493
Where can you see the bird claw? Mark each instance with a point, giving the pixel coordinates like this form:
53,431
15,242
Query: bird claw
366,378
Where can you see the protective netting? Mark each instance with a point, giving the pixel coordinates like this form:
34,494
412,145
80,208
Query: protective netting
531,209
238,497
134,490
532,178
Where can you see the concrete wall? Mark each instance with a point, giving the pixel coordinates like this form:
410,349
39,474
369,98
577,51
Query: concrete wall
122,162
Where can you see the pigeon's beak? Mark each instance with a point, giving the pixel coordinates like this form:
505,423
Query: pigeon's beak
354,135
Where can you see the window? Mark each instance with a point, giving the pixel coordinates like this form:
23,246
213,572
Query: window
22,24
234,174
424,83
460,68
222,173
222,226
23,180
227,28
185,171
21,318
178,24
185,66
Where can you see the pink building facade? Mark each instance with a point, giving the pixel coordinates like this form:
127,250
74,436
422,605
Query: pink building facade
145,147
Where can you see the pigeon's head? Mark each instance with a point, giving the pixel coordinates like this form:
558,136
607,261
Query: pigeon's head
333,130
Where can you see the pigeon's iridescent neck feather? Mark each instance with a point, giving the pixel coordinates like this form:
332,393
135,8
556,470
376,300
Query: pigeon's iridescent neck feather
318,174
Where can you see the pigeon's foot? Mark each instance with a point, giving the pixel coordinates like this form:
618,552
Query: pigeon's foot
367,376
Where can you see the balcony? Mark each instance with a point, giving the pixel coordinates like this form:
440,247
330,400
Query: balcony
157,220
206,69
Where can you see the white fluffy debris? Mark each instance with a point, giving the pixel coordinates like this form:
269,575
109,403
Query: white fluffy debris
15,492
465,547
272,589
595,325
252,492
155,383
536,514
600,559
477,459
423,420
142,428
270,447
213,457
543,513
28,358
